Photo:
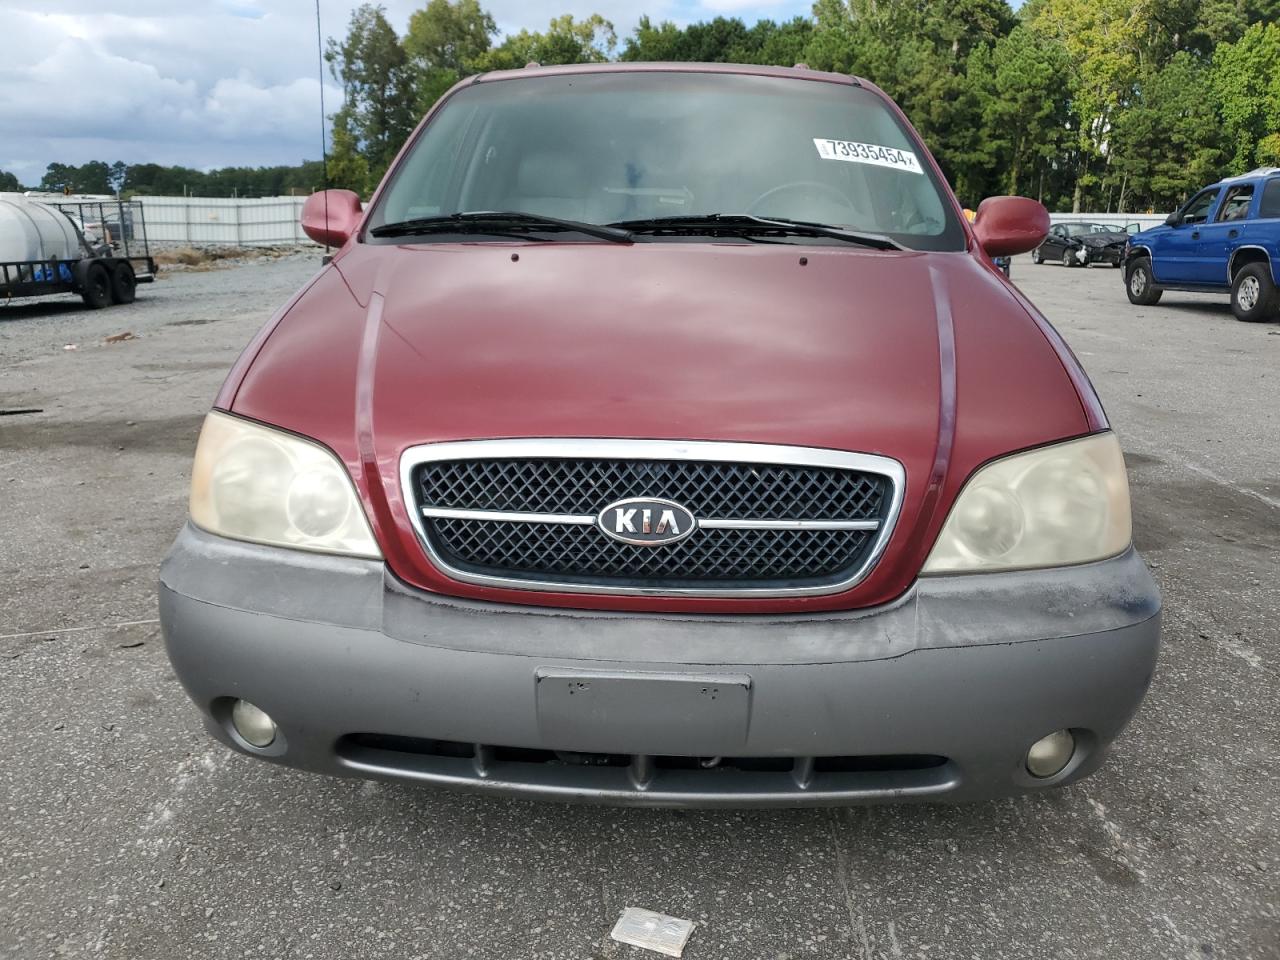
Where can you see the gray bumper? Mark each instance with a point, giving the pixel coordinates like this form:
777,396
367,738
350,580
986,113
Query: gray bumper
935,696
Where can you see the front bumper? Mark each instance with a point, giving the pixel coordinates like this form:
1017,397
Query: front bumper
935,696
1109,255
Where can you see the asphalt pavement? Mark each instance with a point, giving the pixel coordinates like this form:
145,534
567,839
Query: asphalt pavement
128,834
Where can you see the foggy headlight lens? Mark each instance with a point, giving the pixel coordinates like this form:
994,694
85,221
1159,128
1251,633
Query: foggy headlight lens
1059,505
318,503
253,483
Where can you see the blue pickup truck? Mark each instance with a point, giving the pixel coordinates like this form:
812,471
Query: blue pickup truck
1225,239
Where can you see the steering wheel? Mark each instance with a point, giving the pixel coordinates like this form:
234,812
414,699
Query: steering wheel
811,186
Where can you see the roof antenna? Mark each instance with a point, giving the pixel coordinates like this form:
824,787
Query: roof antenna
324,149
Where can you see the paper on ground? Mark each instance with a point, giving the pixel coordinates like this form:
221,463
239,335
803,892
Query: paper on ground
653,931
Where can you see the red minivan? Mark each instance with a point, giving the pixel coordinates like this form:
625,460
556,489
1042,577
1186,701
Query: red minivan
662,434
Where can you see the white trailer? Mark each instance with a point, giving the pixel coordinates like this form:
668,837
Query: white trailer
96,248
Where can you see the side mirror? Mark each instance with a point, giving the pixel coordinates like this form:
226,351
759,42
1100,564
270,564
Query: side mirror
331,216
1008,225
1173,220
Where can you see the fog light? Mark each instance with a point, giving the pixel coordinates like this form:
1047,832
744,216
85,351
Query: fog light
1051,754
255,727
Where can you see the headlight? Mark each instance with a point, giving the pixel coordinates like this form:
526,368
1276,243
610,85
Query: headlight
1058,505
253,483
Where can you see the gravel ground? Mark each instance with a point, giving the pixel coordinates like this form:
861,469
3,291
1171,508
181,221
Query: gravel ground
128,834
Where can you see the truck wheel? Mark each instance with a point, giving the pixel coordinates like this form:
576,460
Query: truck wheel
1253,294
124,285
1140,285
97,287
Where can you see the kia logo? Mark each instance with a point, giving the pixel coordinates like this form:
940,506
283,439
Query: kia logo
645,522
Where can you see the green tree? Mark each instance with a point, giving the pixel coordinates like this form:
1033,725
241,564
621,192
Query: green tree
1247,82
1083,103
348,166
378,95
444,43
780,44
1269,150
712,42
1167,142
722,40
954,28
655,44
918,53
1225,21
1104,40
566,40
93,177
9,183
149,179
58,177
1022,82
117,175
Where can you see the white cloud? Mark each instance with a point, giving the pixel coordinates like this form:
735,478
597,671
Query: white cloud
238,107
217,82
738,6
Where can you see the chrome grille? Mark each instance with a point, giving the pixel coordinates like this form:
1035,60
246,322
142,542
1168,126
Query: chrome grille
770,520
738,491
580,551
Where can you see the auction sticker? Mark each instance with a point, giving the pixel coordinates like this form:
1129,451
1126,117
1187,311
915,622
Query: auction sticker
872,153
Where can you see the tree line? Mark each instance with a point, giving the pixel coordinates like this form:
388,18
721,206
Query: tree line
1121,105
1115,105
155,180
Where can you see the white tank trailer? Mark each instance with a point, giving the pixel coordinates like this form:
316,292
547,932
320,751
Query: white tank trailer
44,249
31,231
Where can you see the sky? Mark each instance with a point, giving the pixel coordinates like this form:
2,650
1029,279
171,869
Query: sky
213,83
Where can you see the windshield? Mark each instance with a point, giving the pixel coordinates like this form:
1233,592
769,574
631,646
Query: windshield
621,147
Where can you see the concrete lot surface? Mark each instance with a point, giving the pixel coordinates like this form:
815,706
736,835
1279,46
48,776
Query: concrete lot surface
128,834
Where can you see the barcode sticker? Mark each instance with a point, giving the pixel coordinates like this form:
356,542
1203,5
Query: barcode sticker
853,152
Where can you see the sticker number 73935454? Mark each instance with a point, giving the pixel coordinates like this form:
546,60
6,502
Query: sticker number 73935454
872,153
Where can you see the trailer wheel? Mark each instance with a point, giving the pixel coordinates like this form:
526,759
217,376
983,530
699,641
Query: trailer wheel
124,285
97,287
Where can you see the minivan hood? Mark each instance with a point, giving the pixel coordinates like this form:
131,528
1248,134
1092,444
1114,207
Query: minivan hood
658,340
928,358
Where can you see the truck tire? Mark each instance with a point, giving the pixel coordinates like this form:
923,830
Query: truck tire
1139,283
124,285
1253,294
97,287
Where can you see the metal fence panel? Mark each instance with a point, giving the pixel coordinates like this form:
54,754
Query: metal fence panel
271,221
1145,220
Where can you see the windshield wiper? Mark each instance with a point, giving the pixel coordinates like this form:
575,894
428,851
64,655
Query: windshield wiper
499,221
744,224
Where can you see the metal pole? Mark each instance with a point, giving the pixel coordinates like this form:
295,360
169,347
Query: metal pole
142,219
